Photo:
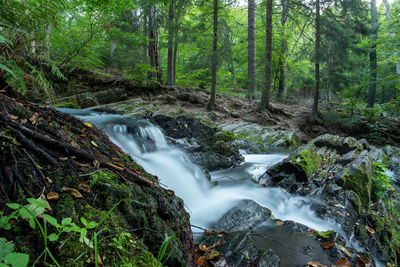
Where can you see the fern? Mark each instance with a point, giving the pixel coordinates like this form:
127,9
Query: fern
15,77
43,83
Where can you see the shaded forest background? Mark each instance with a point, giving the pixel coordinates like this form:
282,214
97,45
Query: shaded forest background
171,42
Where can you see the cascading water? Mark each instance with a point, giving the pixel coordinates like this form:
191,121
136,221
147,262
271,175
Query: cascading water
148,146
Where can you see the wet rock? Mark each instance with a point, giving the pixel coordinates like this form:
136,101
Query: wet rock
246,215
240,250
208,147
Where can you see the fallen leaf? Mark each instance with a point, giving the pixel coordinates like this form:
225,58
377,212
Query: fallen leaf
84,135
48,209
99,260
96,163
278,222
327,245
169,192
216,244
315,264
211,254
2,91
65,128
63,159
201,261
87,124
83,186
11,116
93,143
203,247
344,250
45,117
84,165
72,191
34,118
24,121
343,262
53,196
369,229
116,160
364,262
75,144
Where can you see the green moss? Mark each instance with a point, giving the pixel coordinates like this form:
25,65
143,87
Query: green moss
308,160
358,181
226,136
222,148
66,105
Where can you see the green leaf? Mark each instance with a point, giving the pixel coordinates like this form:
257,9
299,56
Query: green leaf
38,203
4,222
5,247
51,220
53,237
92,225
83,232
84,222
13,206
66,221
17,259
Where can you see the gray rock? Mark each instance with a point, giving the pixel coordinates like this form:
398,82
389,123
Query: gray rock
246,215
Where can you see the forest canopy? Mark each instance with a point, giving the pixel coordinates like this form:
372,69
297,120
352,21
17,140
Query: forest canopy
171,42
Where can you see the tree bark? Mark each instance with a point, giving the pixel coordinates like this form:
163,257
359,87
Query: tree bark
211,103
372,56
251,68
153,45
265,99
174,63
317,54
171,32
282,57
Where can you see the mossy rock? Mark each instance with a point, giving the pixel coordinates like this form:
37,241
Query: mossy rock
307,159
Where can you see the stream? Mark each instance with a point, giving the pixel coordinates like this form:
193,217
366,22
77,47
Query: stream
205,200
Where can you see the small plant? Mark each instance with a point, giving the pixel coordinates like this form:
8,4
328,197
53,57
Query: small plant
9,257
163,249
381,181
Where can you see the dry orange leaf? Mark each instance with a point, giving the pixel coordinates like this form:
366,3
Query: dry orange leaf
369,229
327,245
34,118
201,261
203,247
53,196
11,116
343,262
99,260
72,191
83,186
315,264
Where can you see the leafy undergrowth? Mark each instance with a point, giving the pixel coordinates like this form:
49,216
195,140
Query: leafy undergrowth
67,194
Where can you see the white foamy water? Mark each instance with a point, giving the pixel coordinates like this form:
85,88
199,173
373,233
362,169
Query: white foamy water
148,146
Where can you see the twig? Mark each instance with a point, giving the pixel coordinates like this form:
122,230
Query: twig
89,174
35,164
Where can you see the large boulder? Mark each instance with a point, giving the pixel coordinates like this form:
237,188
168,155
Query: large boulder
246,215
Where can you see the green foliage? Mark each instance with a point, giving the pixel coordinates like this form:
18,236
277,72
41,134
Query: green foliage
66,228
10,258
162,257
381,181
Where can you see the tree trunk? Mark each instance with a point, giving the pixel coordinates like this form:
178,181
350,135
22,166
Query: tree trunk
251,68
282,57
171,31
372,55
211,104
317,54
145,33
153,45
174,63
268,58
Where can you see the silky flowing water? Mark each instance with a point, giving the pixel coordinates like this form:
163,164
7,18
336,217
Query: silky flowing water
205,200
